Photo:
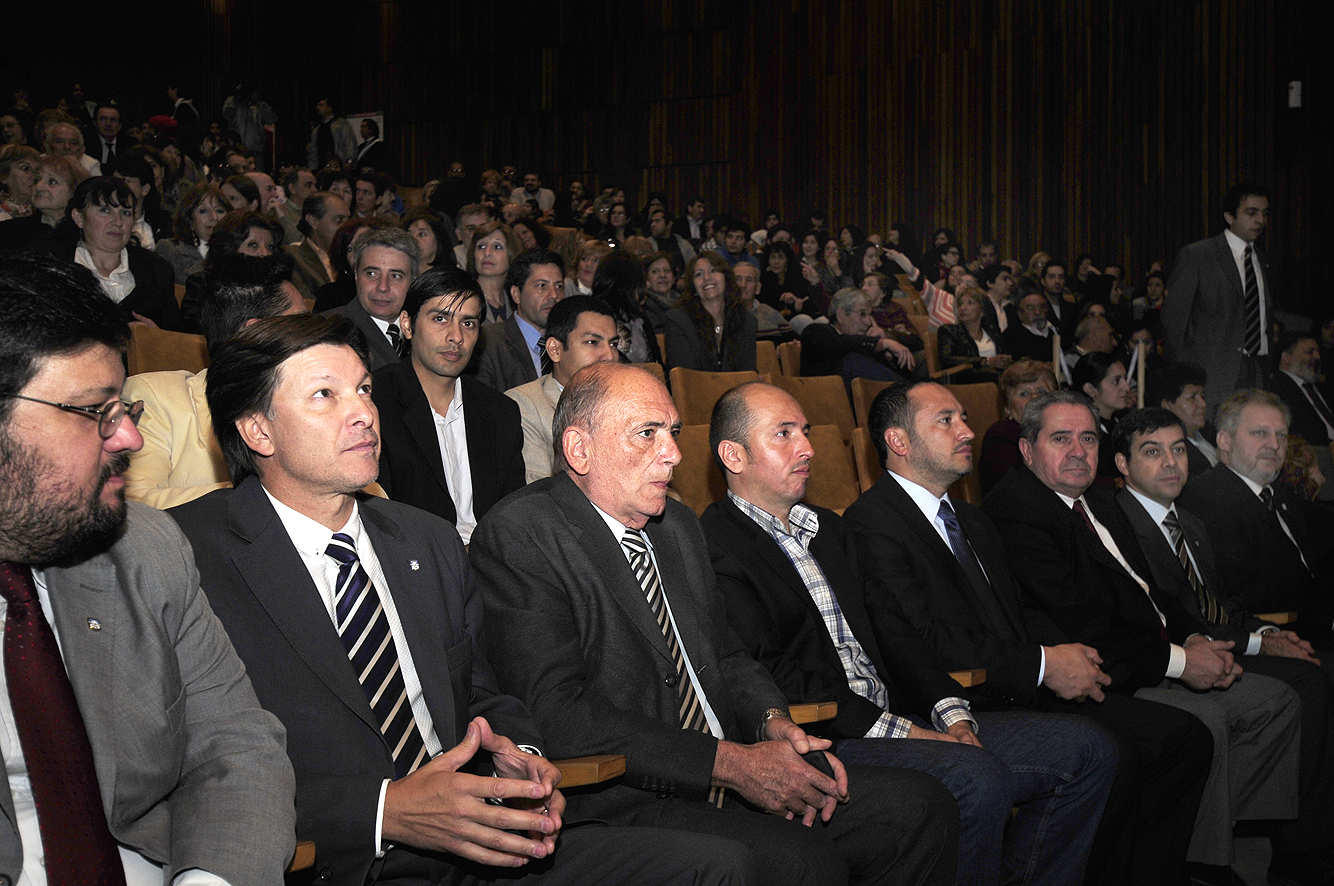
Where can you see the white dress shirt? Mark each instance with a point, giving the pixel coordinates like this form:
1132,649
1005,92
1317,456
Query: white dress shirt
139,871
452,434
121,281
311,540
1238,247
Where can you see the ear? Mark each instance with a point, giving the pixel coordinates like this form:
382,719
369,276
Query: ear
1089,390
554,349
1026,450
1229,218
254,430
78,216
1122,464
897,441
405,324
575,445
1224,442
514,294
733,456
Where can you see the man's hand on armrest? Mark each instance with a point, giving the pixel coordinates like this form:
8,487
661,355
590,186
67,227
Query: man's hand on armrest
439,808
1072,672
773,776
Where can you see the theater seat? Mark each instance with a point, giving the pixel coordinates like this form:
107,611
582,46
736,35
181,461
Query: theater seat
157,350
695,391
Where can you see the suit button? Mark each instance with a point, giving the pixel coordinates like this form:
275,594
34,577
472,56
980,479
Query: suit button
326,873
665,795
670,680
5,880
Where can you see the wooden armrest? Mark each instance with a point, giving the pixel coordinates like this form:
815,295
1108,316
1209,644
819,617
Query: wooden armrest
578,771
953,370
1278,618
814,712
970,677
304,857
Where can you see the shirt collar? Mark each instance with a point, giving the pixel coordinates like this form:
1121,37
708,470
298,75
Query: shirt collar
1236,244
531,334
803,520
310,536
1250,484
1156,511
927,501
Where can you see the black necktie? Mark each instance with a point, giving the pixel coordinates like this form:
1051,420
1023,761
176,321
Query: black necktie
1252,343
1318,402
76,841
1213,611
396,340
972,568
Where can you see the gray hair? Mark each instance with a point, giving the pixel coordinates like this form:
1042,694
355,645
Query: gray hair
389,238
1229,411
1036,411
846,299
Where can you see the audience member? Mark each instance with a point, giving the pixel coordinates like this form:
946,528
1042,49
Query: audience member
972,342
321,217
1023,381
709,329
133,736
331,139
57,177
385,262
199,212
238,232
18,173
716,728
1101,377
850,345
619,284
493,247
510,353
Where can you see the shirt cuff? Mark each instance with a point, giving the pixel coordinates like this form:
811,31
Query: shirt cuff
949,711
889,726
197,877
1253,644
1042,664
1176,662
380,846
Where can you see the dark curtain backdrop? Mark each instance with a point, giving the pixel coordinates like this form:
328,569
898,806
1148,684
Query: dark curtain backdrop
1111,127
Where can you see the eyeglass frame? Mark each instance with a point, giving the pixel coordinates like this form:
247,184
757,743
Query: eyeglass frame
133,411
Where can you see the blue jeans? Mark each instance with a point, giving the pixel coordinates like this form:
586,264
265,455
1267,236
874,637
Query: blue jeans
1057,769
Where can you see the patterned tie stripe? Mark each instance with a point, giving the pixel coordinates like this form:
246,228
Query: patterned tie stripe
1252,343
363,626
1214,613
690,713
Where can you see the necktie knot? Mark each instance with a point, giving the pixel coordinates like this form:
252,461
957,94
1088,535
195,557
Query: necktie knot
1170,521
1078,508
633,541
947,516
1267,497
16,584
342,549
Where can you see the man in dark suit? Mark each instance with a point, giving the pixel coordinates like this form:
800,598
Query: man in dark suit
322,215
917,585
606,587
509,354
1062,307
1266,554
1082,573
1297,383
105,142
386,261
789,577
360,626
1150,448
1219,306
1031,336
134,746
452,446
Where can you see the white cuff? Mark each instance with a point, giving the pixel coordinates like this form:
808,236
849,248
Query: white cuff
380,846
1042,664
1176,662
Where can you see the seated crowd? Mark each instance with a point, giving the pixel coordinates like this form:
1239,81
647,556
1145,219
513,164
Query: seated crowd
417,420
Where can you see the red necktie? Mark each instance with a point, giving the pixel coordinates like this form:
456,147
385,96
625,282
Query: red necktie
76,841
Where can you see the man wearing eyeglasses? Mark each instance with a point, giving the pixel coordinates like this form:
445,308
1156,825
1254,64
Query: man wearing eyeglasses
135,749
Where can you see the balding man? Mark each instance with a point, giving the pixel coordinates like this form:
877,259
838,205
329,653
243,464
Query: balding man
789,575
606,619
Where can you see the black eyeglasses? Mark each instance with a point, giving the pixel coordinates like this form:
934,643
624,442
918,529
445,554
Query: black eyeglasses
108,416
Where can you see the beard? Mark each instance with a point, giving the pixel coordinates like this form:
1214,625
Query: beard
44,522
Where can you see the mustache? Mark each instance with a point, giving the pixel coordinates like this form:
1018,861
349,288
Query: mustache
118,465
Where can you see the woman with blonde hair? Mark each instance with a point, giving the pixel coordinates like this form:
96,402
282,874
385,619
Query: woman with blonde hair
494,246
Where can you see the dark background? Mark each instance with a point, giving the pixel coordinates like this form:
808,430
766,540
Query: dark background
1111,126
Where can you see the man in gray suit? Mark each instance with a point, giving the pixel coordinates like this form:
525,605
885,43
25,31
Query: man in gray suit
1219,305
358,620
509,353
580,331
136,750
607,588
386,261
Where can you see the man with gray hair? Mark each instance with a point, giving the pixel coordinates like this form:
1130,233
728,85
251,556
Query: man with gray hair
385,261
850,344
1267,555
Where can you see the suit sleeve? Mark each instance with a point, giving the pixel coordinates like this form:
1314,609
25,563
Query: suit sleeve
1182,289
232,811
536,448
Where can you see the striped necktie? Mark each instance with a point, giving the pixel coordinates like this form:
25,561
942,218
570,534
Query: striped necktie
1252,343
691,712
1213,611
363,626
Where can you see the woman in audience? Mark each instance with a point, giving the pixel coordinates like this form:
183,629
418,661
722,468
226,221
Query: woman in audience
18,173
660,289
198,214
1023,381
579,274
57,177
781,285
865,260
1103,378
241,193
710,329
832,276
618,225
972,341
428,229
102,209
1149,302
247,233
493,247
619,283
530,234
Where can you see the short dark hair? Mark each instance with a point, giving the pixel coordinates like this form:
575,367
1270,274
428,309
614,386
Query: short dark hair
49,308
325,179
100,190
317,205
1036,410
291,176
892,408
375,127
241,288
521,266
1055,264
1239,192
732,419
1168,383
1092,369
246,187
378,180
990,274
100,105
438,281
243,374
564,316
134,167
232,230
1141,421
1289,339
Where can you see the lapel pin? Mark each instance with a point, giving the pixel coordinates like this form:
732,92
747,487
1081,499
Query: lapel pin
94,625
414,565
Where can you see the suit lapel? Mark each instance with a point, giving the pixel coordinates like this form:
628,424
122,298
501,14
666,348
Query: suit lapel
479,427
1228,264
515,341
415,413
277,577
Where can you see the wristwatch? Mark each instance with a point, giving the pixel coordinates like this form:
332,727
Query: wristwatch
764,720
